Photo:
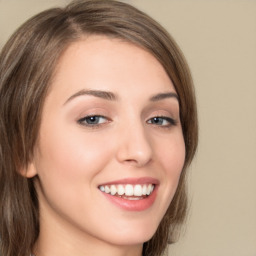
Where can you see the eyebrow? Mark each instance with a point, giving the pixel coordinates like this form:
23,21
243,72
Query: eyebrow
162,96
96,93
112,97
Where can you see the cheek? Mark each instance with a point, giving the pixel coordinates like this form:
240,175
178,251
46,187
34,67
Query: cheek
69,157
172,153
172,157
175,157
68,164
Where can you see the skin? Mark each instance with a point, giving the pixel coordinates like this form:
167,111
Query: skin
72,158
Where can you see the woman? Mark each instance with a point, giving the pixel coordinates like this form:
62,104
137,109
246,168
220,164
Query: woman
98,125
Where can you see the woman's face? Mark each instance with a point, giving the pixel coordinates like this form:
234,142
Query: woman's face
110,149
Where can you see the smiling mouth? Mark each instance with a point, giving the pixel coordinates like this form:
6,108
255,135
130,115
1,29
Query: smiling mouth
128,191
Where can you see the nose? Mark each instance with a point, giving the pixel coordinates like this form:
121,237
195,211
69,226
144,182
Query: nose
134,146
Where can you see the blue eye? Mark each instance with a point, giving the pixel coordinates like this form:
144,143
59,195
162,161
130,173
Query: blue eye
162,121
92,120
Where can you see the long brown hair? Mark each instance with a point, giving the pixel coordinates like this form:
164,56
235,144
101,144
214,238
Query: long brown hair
27,64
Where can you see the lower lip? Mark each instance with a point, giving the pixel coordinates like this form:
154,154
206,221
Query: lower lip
133,205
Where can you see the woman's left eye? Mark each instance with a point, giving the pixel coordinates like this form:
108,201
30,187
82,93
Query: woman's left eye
93,120
162,121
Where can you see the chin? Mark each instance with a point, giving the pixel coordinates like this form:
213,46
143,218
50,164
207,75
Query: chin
136,235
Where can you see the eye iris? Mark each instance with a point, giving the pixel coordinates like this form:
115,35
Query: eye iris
157,120
92,119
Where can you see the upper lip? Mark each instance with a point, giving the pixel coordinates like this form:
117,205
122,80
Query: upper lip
141,180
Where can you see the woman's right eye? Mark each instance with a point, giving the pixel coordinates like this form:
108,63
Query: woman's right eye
93,120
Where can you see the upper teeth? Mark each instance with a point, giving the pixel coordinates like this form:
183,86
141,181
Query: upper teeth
128,189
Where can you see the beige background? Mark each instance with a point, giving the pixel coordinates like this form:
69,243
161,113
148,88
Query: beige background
218,38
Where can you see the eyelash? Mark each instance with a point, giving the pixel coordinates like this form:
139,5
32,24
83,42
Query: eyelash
84,121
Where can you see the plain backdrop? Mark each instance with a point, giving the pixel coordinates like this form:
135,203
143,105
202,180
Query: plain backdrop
218,38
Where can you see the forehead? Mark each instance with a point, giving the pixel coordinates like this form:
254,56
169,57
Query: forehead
100,62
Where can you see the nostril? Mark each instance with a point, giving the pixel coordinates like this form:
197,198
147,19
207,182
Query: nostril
130,161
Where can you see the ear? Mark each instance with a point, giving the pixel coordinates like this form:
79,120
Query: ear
29,171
